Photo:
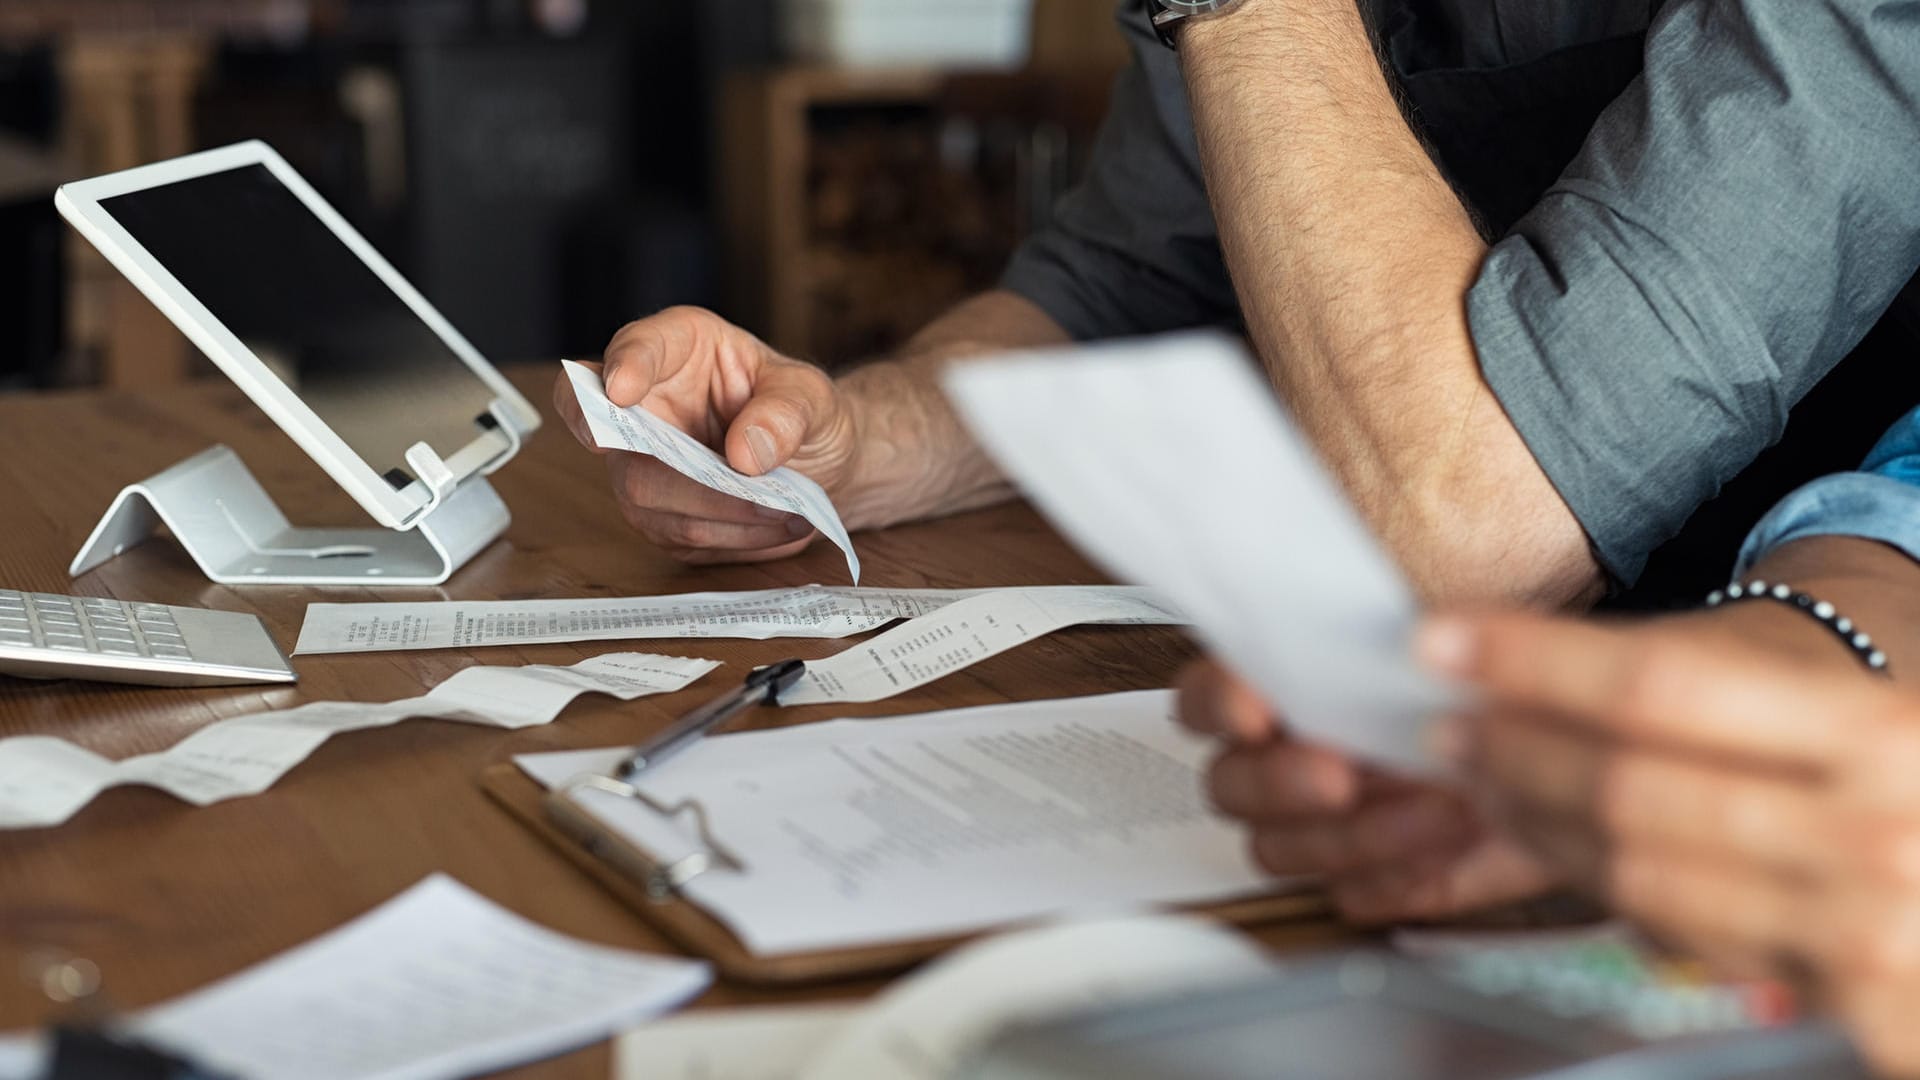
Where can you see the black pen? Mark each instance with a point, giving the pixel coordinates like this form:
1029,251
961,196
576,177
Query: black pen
763,687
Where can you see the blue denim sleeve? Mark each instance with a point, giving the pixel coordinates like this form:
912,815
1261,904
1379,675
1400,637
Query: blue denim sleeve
1880,502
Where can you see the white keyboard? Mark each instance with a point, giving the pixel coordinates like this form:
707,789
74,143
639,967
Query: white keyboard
43,636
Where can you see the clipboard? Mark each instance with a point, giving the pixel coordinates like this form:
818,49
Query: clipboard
653,892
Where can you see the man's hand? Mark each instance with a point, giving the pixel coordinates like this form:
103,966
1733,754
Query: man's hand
725,387
881,439
1755,805
1389,849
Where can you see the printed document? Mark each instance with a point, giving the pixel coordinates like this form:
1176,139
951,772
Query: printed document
1170,462
861,832
638,431
46,780
962,634
436,983
926,1026
810,611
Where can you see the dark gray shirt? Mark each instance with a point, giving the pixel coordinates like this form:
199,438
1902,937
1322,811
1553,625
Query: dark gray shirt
1728,228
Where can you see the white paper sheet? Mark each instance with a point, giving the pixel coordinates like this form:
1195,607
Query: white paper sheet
810,611
925,1026
963,634
438,982
638,431
763,1042
859,832
46,780
1170,462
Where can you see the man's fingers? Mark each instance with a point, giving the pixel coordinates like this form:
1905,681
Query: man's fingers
1281,781
1396,832
1575,849
1638,795
1214,701
678,531
649,351
1315,848
790,400
1663,684
1441,885
644,484
714,556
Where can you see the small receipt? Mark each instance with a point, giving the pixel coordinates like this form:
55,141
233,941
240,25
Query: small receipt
966,632
810,611
45,781
638,431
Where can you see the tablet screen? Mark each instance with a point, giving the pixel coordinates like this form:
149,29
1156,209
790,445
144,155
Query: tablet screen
281,281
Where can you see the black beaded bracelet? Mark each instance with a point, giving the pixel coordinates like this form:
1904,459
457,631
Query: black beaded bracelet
1821,611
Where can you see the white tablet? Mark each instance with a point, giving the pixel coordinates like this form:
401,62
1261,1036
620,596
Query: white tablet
301,312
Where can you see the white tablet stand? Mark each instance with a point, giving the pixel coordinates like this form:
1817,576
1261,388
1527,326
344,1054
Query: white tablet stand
230,525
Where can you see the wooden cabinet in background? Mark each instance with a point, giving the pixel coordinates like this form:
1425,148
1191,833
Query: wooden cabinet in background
857,205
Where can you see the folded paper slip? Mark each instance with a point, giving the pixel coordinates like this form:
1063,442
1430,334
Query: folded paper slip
853,846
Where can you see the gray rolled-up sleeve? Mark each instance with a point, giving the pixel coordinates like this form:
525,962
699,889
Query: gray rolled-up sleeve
1735,223
1133,248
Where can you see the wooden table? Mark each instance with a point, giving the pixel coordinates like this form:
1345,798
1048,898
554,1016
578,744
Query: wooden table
165,897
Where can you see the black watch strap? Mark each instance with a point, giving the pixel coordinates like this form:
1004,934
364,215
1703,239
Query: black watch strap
1164,21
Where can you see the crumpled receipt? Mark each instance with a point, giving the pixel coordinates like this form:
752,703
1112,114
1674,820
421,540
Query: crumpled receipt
638,431
45,780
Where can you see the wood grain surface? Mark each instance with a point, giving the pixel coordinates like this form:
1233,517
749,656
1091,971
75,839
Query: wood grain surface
166,897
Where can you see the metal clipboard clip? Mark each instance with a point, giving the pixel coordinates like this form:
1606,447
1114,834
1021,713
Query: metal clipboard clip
663,881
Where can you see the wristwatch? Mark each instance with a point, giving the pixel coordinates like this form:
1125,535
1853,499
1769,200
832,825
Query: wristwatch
1167,15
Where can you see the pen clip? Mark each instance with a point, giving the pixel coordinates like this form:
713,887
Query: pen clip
777,678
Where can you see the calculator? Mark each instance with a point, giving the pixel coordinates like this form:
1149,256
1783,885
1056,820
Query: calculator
1585,1011
46,636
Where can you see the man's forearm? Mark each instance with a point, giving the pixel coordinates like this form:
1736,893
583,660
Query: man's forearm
1352,259
915,458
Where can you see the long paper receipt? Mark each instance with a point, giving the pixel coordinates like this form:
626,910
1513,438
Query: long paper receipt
45,780
1171,463
808,611
861,832
436,983
638,431
964,633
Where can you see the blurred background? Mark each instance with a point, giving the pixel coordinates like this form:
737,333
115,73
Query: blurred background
828,173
